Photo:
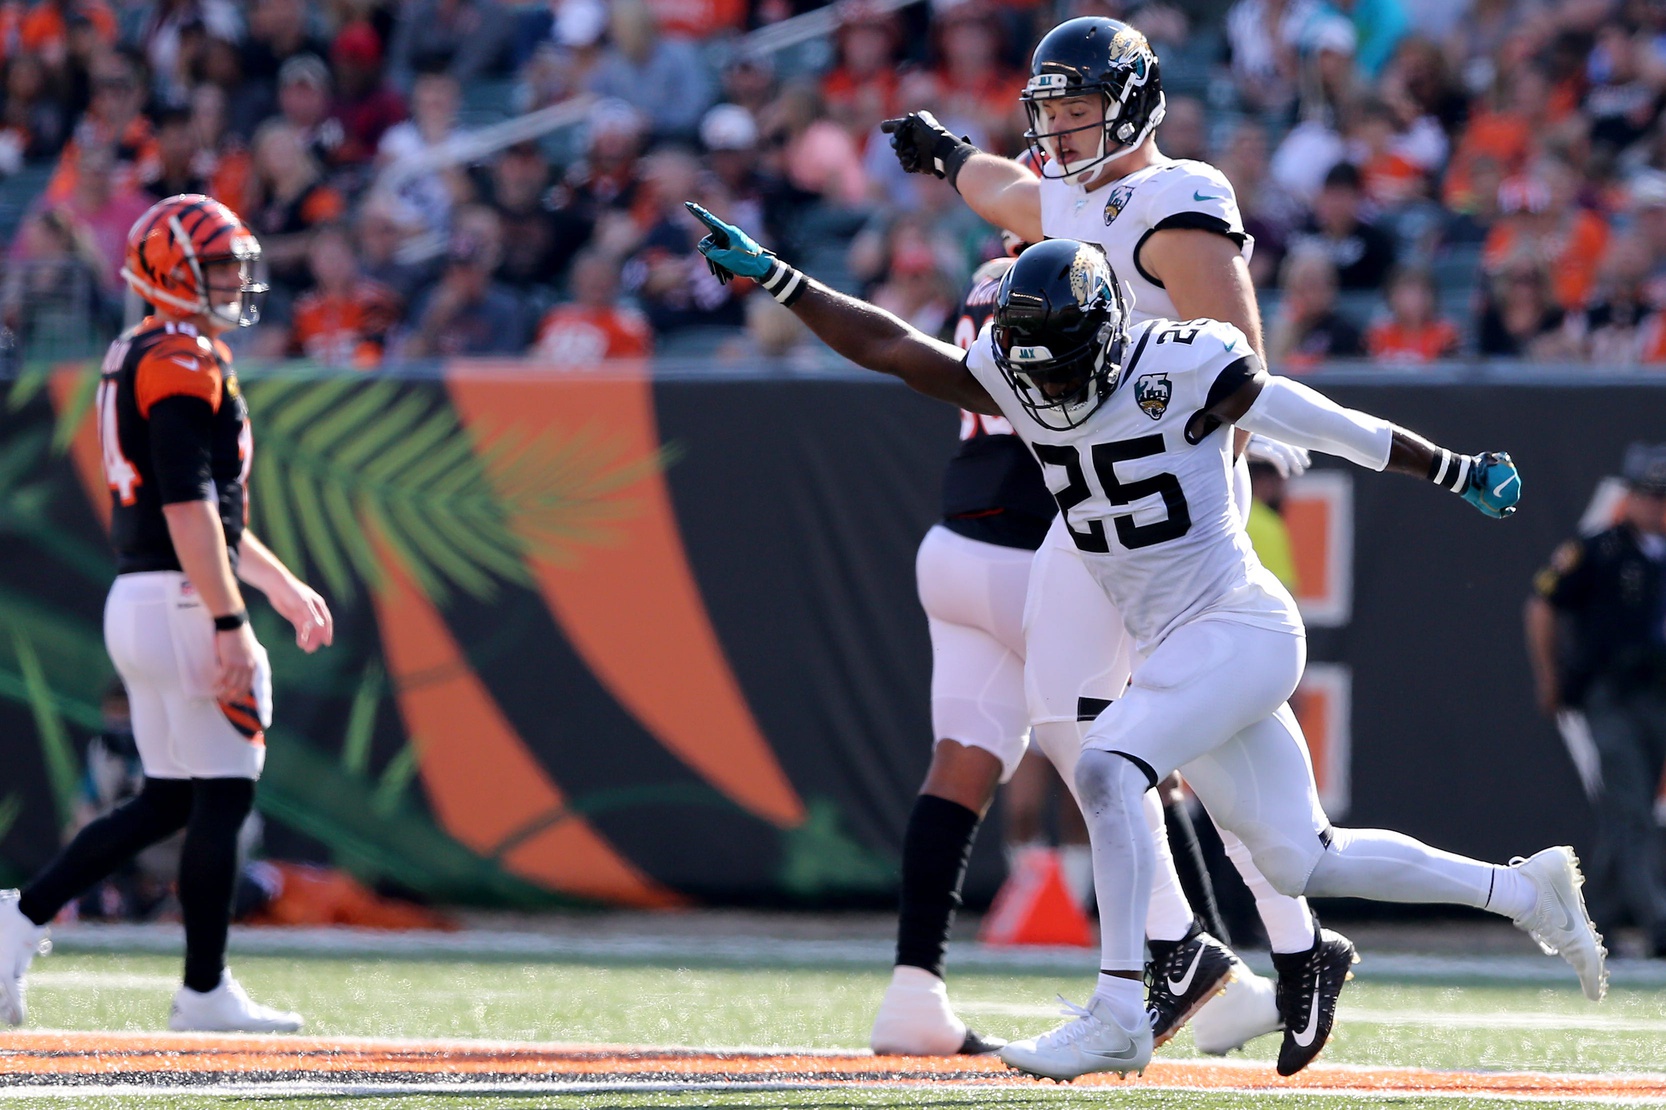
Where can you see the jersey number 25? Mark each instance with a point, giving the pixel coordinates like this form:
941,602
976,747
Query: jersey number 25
1104,457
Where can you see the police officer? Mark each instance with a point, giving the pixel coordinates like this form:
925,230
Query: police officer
1606,657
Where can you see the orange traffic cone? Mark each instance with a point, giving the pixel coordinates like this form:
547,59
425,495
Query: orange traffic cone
1034,906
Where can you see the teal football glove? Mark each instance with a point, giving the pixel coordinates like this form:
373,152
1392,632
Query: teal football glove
729,250
1494,484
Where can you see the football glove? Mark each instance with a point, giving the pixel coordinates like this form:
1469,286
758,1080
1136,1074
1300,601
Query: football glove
925,146
1494,484
729,250
1290,462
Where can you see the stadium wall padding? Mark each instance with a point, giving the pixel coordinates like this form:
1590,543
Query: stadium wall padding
607,637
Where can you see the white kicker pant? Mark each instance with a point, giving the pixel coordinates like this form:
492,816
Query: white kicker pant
161,639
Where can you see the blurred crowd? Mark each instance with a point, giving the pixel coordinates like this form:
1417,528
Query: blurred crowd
1423,178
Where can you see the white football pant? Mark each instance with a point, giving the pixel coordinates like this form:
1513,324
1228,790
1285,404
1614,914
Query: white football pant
161,639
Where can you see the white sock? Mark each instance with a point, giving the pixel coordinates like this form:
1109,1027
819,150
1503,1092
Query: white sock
1076,861
1513,894
1170,915
1124,999
1390,867
1112,790
1288,922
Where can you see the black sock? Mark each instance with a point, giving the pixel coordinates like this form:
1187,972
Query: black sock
1189,864
934,853
208,874
159,810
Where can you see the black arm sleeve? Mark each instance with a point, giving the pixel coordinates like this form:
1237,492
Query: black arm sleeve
181,437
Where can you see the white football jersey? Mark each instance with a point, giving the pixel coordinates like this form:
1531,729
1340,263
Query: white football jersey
1151,513
1121,216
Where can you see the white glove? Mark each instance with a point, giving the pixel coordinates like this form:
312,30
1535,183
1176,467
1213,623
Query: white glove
1290,462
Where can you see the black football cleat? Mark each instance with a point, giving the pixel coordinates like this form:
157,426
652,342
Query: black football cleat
1181,976
976,1044
1308,985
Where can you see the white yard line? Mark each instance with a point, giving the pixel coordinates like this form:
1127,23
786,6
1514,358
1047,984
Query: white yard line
765,951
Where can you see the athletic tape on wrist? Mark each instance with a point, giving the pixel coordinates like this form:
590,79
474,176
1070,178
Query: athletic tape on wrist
784,283
1450,471
951,165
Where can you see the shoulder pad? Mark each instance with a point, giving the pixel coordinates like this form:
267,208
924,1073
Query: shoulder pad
177,365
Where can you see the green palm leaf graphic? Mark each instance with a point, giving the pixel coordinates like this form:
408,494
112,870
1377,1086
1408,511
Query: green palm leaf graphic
340,461
62,768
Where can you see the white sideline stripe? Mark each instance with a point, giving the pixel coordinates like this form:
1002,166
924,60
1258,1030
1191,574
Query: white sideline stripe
98,980
300,1088
1597,1023
876,954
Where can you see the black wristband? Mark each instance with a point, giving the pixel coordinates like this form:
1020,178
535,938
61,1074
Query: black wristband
784,283
231,622
1449,470
954,159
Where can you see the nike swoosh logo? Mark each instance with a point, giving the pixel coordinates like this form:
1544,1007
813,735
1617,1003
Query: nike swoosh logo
1128,1053
1200,196
1305,1037
1178,986
189,363
1499,488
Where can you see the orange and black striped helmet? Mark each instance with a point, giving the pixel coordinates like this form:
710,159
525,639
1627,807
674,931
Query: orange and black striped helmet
170,247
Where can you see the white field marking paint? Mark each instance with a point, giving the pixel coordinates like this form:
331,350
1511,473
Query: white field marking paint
1606,1023
875,955
296,1089
69,979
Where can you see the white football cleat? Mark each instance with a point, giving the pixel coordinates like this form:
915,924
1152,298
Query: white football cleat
1559,921
1090,1043
915,1019
20,941
1245,1010
227,1009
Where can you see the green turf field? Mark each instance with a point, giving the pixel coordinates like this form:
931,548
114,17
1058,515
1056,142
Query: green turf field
1476,1026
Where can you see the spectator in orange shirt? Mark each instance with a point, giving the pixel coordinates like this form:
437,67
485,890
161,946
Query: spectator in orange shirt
291,199
45,28
861,89
970,85
115,119
225,160
343,320
1540,216
594,326
1412,333
1501,132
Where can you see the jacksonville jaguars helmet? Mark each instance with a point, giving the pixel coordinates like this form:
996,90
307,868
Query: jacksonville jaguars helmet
1093,56
1060,330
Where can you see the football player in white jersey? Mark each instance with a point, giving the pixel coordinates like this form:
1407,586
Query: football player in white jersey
1133,428
973,570
1172,230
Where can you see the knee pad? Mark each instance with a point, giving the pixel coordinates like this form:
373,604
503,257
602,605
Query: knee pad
1285,865
1105,778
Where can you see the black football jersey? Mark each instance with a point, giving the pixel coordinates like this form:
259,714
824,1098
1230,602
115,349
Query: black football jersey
992,490
173,427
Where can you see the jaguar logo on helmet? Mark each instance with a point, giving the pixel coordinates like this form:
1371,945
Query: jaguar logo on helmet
1152,392
1103,59
1059,331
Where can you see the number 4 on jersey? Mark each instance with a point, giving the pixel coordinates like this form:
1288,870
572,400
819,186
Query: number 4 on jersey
120,473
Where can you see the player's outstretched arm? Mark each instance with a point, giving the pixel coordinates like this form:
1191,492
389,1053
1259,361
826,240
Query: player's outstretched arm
998,189
866,335
295,601
1293,413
